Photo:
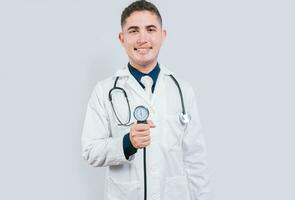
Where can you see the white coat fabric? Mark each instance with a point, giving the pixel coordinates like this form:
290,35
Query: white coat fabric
176,157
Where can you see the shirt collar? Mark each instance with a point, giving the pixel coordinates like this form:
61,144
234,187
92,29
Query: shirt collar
138,74
124,72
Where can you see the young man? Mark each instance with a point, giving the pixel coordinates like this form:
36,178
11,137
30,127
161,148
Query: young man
171,142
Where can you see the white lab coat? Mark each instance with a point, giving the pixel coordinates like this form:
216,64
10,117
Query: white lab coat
176,157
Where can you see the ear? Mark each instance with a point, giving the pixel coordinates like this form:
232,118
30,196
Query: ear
164,34
121,37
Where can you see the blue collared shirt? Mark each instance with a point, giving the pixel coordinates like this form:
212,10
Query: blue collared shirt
138,74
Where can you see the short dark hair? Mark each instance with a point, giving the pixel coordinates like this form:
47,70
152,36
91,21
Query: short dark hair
140,5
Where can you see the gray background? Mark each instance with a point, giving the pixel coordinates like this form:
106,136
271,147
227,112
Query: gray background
238,55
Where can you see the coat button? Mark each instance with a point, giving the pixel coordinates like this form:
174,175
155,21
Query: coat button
154,196
154,170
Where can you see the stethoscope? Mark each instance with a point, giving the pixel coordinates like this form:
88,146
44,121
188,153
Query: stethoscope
141,114
183,116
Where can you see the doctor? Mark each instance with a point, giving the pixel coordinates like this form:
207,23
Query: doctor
176,166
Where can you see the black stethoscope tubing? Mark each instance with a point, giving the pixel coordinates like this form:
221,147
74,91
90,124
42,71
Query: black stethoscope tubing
126,97
180,93
115,87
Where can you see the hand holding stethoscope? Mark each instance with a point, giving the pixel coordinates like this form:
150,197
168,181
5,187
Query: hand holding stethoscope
140,134
140,131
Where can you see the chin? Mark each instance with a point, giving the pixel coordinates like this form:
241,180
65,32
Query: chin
144,63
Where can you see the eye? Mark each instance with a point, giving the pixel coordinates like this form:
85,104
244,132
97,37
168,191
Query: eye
151,30
133,31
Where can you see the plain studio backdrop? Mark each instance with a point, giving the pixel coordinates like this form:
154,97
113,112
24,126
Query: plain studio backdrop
238,55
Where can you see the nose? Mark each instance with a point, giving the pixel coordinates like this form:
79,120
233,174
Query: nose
142,38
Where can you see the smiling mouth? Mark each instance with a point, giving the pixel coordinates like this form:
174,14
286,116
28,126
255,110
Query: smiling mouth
136,49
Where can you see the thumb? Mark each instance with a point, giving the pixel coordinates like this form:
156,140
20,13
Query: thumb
151,123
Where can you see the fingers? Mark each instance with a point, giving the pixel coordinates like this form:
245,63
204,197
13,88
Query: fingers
140,134
144,127
141,127
140,142
144,144
146,139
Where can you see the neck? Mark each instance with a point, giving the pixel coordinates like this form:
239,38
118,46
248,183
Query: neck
144,68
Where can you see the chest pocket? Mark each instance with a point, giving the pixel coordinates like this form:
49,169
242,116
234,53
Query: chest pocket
173,133
174,130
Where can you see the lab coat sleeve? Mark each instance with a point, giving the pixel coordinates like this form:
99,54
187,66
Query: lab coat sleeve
99,148
194,154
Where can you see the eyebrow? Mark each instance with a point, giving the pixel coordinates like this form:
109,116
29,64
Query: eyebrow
152,26
132,27
136,27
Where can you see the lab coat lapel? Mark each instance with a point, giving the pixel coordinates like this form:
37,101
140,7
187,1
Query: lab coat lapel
159,96
134,85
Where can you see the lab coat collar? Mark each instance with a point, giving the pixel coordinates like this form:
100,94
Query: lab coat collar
133,84
125,71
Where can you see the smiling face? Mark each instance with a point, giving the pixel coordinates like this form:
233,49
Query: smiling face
142,38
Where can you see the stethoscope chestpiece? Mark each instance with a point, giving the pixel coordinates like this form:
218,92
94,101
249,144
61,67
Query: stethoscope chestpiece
141,114
184,118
